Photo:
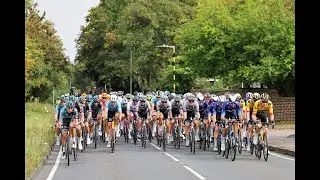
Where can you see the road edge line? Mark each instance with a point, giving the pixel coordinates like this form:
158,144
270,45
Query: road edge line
56,165
194,172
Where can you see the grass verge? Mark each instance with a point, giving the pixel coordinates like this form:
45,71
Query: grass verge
39,134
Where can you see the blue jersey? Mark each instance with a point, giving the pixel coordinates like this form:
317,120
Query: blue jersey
231,107
95,109
215,108
154,100
66,117
115,107
58,108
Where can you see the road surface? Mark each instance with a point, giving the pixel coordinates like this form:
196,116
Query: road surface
132,162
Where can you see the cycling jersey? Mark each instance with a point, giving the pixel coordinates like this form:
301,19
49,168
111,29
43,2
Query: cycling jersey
191,109
115,107
231,110
215,109
176,108
203,109
66,117
58,108
143,108
260,106
95,109
164,108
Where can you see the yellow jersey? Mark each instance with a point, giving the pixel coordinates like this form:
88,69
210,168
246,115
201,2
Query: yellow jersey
249,105
260,106
243,105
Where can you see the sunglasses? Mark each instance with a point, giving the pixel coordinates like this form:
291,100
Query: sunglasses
142,101
164,101
191,100
104,98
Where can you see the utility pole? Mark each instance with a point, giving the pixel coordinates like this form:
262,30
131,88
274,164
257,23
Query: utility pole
130,71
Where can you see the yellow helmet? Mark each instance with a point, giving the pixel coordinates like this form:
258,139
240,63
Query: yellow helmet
238,96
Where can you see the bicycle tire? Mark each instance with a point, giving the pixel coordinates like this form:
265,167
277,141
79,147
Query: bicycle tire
219,145
112,140
74,151
68,150
251,146
126,131
150,133
205,138
208,137
233,149
144,136
265,148
178,137
83,140
227,148
164,138
194,141
134,134
175,143
239,141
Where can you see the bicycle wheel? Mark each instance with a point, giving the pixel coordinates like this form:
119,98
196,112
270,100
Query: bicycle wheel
83,142
95,136
164,138
233,149
194,141
144,136
227,148
265,147
219,145
178,137
208,137
68,150
112,140
204,138
175,143
74,151
150,133
134,134
239,141
259,147
126,133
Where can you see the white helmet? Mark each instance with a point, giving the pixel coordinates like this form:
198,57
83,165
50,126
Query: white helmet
200,96
215,98
173,94
222,98
233,97
113,97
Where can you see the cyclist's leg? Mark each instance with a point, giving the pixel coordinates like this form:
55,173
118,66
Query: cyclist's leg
99,123
187,129
109,127
58,133
117,123
79,130
64,132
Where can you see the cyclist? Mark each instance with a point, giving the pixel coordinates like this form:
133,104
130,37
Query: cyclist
77,105
214,112
132,112
85,105
95,110
164,113
242,105
56,117
261,109
203,105
114,113
251,99
143,109
176,109
190,110
231,110
68,118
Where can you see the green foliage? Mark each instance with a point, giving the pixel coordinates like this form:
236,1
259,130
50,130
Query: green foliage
242,41
46,64
117,26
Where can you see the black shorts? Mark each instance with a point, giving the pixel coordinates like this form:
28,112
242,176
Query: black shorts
263,116
190,115
203,115
143,115
111,115
231,115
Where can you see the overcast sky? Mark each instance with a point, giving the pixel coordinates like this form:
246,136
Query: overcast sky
67,16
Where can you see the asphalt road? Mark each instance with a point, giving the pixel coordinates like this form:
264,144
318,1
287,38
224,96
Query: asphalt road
132,162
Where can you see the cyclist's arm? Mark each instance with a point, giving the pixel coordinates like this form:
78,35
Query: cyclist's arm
270,105
248,110
169,110
128,108
149,109
197,110
106,109
56,112
213,112
90,111
223,111
184,109
119,110
255,110
239,111
62,115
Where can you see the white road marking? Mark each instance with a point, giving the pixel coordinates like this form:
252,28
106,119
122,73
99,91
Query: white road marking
194,172
55,167
290,159
175,159
156,147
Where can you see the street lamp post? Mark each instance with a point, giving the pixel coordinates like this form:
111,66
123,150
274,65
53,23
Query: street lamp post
174,63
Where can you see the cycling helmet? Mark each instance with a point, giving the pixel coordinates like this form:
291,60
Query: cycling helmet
124,100
113,97
135,98
191,97
264,96
135,93
149,97
215,98
164,98
177,98
249,95
238,96
72,98
222,98
128,96
89,97
200,96
206,95
173,94
143,98
227,94
170,97
256,96
70,104
167,93
96,99
104,95
120,93
232,97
